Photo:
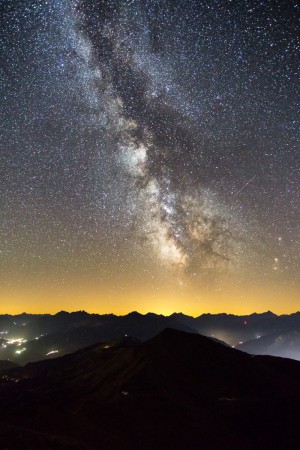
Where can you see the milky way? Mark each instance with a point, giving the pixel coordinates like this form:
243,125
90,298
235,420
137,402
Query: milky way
175,214
145,141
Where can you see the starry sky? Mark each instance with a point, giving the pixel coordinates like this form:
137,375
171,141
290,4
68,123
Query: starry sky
149,156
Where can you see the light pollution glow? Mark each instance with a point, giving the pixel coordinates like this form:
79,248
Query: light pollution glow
49,300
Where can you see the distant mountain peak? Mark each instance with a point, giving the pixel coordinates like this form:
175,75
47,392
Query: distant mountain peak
133,314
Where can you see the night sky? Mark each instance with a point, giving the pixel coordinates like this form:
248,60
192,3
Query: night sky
149,156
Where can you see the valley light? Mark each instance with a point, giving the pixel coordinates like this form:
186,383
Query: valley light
14,340
20,351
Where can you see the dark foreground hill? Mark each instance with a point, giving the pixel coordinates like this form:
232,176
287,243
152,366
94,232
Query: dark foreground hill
175,391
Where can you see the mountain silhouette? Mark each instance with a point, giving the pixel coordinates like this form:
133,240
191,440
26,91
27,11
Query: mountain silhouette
50,336
177,390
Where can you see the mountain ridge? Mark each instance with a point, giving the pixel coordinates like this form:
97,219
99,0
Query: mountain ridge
27,338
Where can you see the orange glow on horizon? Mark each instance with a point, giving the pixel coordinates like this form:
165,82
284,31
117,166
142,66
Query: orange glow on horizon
164,301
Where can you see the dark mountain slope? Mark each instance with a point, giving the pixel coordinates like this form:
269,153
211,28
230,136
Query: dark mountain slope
177,391
6,364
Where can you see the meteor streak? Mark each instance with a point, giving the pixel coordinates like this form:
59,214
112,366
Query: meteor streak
242,188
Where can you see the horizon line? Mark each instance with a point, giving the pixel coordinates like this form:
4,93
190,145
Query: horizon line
149,312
